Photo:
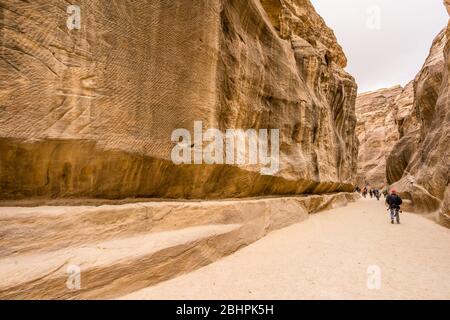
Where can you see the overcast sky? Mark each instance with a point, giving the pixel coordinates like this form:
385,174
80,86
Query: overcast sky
386,41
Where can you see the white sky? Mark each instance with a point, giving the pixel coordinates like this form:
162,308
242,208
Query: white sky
392,54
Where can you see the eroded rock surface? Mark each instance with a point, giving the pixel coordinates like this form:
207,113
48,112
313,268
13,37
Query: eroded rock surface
118,249
404,135
89,113
422,172
384,117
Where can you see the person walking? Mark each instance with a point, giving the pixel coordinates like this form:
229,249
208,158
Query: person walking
377,194
394,201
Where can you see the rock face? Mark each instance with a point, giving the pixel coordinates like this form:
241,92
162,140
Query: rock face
419,166
89,113
404,136
119,249
384,116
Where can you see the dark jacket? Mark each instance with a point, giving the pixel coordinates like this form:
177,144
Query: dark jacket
394,201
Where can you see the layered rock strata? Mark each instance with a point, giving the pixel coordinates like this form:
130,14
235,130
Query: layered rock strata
105,252
384,117
419,166
89,112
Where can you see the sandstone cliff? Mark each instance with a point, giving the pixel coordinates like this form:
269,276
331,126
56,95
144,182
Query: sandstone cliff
89,113
383,118
122,248
419,165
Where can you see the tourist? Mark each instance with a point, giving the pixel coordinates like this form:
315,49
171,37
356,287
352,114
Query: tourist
364,192
394,201
377,194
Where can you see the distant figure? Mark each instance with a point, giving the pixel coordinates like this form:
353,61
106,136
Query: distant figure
385,193
377,194
394,202
371,193
358,189
364,192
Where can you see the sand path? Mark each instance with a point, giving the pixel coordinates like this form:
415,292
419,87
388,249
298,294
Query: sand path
332,255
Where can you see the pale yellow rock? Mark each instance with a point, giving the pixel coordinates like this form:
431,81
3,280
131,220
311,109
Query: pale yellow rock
420,166
384,117
405,139
89,113
122,248
86,117
410,140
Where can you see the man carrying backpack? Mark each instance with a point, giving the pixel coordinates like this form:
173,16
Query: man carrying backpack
394,201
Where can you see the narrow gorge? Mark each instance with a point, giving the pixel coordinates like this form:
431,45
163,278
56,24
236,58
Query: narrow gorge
405,136
91,112
86,124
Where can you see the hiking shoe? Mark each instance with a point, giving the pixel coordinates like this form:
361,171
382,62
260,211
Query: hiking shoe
392,221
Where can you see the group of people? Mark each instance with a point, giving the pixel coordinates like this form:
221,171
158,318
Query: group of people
374,193
393,200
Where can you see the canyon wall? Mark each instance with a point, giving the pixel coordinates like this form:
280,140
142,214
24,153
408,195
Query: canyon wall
419,166
89,113
404,136
384,116
128,247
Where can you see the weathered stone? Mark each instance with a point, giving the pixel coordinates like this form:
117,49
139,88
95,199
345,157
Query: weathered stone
420,163
89,113
122,248
384,116
415,123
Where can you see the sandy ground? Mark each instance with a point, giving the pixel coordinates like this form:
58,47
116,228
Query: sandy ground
333,255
